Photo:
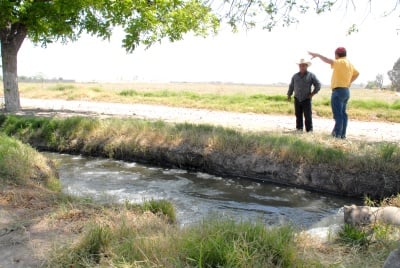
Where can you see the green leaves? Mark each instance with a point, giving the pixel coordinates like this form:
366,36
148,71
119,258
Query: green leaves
148,21
153,21
144,21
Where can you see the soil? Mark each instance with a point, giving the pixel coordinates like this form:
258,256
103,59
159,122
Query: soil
28,233
357,130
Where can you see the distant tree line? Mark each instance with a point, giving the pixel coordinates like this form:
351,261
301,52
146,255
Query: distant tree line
40,79
394,76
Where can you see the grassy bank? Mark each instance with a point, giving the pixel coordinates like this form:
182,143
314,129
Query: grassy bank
364,104
76,232
125,242
356,168
22,165
212,243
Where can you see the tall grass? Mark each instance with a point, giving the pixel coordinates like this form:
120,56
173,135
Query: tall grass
15,160
162,208
364,104
217,241
116,137
20,164
226,243
211,243
354,236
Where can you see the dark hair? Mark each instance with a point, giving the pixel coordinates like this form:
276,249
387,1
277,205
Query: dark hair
341,54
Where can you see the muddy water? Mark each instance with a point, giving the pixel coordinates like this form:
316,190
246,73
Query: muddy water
197,195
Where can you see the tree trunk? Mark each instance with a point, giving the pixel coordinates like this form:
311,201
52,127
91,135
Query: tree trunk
11,39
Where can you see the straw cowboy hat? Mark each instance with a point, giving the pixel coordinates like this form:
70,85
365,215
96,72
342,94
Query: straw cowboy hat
303,61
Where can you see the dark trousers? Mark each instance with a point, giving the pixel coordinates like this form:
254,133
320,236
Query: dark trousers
300,109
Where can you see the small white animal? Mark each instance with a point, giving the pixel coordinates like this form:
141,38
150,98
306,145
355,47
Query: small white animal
359,215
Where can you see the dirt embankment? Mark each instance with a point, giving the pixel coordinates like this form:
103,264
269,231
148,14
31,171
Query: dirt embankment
348,181
326,178
27,233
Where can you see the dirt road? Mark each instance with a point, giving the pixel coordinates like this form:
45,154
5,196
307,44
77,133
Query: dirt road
357,130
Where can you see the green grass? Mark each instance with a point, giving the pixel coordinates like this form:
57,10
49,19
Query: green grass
62,87
219,242
375,104
152,241
114,135
226,243
118,137
354,236
259,103
161,207
211,243
20,164
364,104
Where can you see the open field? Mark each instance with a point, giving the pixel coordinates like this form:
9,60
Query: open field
366,105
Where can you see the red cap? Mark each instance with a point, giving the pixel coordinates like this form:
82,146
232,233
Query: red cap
340,50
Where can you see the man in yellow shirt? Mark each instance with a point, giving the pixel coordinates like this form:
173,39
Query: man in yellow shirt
343,75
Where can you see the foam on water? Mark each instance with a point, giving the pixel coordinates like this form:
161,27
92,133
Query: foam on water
196,195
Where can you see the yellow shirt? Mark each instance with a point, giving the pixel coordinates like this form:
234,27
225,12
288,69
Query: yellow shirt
343,72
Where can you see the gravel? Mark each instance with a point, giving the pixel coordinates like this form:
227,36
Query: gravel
357,130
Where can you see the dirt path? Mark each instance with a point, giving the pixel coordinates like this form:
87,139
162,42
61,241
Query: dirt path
357,130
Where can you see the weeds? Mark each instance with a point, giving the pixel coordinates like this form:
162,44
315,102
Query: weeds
62,87
88,252
20,164
364,104
354,235
212,243
117,138
389,150
226,243
162,208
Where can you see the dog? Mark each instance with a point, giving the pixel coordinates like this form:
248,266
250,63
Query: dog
363,215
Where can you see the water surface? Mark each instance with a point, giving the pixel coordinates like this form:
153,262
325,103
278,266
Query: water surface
196,195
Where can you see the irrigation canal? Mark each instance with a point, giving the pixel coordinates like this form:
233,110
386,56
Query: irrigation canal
197,195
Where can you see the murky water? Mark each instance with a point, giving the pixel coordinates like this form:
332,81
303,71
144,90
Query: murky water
196,195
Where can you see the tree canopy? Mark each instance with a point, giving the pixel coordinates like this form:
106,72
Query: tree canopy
144,21
394,75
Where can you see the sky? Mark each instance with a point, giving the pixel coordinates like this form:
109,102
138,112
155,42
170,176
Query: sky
250,57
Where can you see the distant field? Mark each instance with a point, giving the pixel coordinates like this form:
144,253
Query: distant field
364,104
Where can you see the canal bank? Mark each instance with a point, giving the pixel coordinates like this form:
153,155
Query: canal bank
315,162
44,228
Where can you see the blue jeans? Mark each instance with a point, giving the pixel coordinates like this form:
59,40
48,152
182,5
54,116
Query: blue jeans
340,97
